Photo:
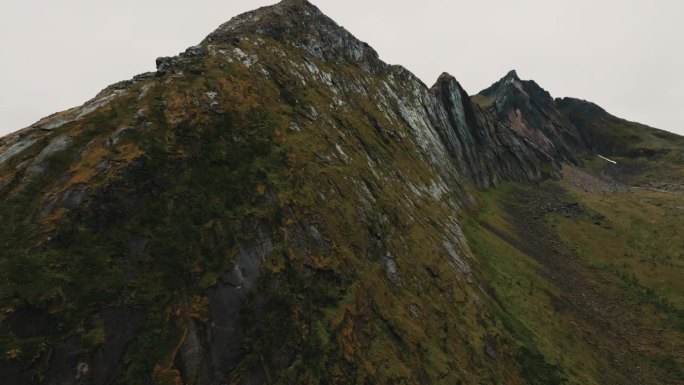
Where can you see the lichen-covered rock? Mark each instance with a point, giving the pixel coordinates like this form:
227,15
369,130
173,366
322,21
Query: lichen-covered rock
58,144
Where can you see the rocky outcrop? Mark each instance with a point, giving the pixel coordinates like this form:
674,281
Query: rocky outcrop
530,110
484,147
302,25
57,145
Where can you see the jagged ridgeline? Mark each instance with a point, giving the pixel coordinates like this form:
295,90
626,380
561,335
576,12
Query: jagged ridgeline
278,205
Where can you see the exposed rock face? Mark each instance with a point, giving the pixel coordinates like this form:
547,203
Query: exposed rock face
487,148
16,145
531,112
301,24
58,144
273,205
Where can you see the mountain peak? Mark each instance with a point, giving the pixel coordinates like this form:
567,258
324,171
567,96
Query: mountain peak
295,3
512,74
446,77
532,112
503,85
301,24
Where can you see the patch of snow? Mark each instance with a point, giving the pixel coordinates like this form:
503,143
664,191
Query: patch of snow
608,160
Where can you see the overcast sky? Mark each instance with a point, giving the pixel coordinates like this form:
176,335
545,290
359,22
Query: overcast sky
625,55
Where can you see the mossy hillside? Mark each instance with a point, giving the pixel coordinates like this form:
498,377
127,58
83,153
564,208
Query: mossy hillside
625,246
37,279
620,263
92,241
366,217
627,234
528,304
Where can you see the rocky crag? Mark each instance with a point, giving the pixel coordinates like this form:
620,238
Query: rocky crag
278,205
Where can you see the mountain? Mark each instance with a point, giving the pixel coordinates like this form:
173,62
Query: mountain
278,205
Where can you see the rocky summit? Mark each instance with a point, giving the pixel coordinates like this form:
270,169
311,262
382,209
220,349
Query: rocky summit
277,205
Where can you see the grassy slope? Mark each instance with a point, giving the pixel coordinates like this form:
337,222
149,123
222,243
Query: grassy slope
639,248
594,281
526,298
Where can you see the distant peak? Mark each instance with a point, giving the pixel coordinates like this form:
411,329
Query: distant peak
509,83
445,76
512,74
447,81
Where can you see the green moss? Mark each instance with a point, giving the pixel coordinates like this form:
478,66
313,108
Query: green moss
528,302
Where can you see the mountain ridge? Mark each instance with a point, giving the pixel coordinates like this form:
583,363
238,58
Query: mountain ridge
278,205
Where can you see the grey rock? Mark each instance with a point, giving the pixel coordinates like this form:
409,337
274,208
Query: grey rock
69,199
141,114
489,350
195,51
391,267
206,356
114,138
103,165
6,152
144,90
59,144
488,151
144,76
191,354
56,123
303,25
164,64
98,102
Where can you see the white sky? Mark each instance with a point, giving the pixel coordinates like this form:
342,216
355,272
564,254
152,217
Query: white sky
625,55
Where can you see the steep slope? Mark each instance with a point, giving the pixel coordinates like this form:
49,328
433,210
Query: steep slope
277,205
531,111
485,148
